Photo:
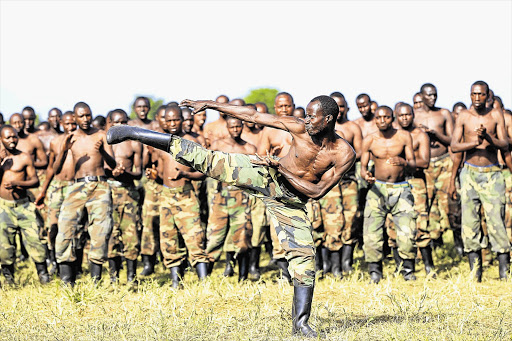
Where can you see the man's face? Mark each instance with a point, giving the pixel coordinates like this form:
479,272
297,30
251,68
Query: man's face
490,99
141,108
9,139
119,119
363,105
200,118
261,108
299,113
383,119
429,96
343,109
418,101
160,118
284,106
83,118
188,122
457,111
30,119
173,122
235,128
478,96
54,119
405,116
18,123
315,120
68,123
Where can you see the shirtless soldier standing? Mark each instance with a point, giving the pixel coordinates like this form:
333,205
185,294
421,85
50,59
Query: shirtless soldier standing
90,190
314,164
480,132
392,153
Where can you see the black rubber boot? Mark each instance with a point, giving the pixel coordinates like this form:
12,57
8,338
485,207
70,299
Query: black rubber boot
504,265
408,268
397,258
8,271
95,271
230,259
210,267
282,263
254,263
336,264
318,260
53,268
42,273
114,266
67,272
426,255
243,266
347,258
326,260
375,270
125,132
475,259
149,265
457,240
301,311
79,260
175,276
202,270
131,270
437,242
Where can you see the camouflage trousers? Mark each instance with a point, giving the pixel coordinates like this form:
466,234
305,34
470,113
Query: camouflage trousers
124,240
362,188
229,223
508,201
150,238
259,221
419,192
96,199
438,180
57,192
483,187
397,200
352,226
41,213
19,216
286,210
180,227
326,216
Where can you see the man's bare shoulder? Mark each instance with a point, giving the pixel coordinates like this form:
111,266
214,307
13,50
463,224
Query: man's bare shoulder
190,138
420,134
403,134
55,143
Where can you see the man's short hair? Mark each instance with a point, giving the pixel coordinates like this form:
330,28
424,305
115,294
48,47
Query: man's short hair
481,83
337,94
459,104
28,108
385,107
142,98
360,96
175,109
329,105
402,104
81,105
59,112
427,85
284,93
7,126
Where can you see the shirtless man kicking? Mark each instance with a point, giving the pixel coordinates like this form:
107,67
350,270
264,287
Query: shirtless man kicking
314,164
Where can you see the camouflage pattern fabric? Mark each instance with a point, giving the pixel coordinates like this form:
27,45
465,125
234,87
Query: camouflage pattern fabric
180,227
438,180
397,200
229,223
454,208
200,189
507,176
41,213
286,210
259,221
150,239
124,240
19,216
57,191
352,226
483,187
333,220
313,210
96,198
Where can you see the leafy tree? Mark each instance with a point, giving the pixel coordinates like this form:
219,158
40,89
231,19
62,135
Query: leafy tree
155,104
265,95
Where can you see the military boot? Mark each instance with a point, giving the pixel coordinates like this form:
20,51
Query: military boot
336,264
176,276
475,260
202,270
326,260
426,255
347,258
243,266
95,271
230,259
301,311
67,272
254,263
408,268
149,265
282,263
397,258
375,270
504,265
131,270
42,273
114,266
8,271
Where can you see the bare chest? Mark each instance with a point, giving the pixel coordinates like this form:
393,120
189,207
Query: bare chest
382,148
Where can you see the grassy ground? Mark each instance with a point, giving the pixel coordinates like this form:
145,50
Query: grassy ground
452,307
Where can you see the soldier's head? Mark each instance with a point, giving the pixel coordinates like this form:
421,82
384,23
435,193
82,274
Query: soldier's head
118,117
68,122
479,94
43,126
222,99
188,120
405,115
364,103
17,122
299,112
99,122
384,118
235,127
173,119
342,106
83,115
321,115
160,117
2,122
261,107
237,101
54,117
200,118
429,95
417,100
250,124
373,107
457,108
283,104
141,106
9,137
29,115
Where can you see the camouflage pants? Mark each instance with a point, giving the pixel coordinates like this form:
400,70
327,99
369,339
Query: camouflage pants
124,240
258,220
483,186
508,203
313,210
150,238
438,180
351,227
41,213
419,192
286,209
57,191
397,200
96,199
19,216
229,223
180,227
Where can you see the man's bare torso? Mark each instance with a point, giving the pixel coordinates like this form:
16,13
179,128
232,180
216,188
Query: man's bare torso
435,120
86,155
382,149
14,169
67,172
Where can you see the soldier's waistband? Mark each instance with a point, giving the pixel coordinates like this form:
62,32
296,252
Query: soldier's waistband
484,169
14,203
439,158
117,184
62,183
416,175
400,184
221,186
182,189
93,178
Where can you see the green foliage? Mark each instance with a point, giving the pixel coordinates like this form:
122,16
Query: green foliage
155,104
265,95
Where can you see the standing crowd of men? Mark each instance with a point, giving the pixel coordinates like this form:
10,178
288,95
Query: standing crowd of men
421,170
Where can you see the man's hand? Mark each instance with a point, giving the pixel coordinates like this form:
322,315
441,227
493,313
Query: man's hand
266,161
151,173
396,161
427,129
40,200
99,146
119,170
68,142
10,184
481,133
369,178
178,175
452,191
3,155
196,105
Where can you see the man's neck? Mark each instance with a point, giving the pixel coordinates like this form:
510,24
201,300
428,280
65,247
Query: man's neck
12,152
368,117
387,133
237,140
30,130
56,130
323,139
144,121
342,120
